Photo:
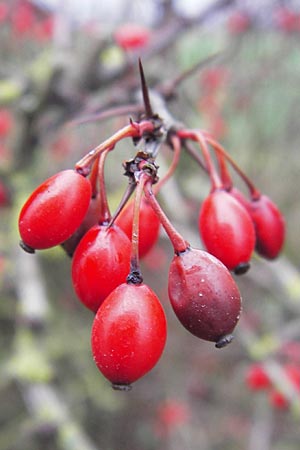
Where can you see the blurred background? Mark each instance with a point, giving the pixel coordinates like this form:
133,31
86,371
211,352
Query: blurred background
68,80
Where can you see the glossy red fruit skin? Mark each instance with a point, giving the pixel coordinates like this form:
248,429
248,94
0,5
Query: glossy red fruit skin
226,229
132,36
101,262
203,294
128,334
149,225
91,218
257,378
269,227
6,122
54,210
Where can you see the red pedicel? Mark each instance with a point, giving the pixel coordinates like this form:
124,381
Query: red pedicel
149,225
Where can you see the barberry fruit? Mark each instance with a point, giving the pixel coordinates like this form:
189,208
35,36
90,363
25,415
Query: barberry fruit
54,210
91,218
204,295
269,227
149,225
257,378
132,36
100,263
227,230
128,334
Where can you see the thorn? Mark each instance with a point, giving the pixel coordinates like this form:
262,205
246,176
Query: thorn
145,91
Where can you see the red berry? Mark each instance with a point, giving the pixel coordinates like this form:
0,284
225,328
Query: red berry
227,230
23,18
171,414
132,36
204,295
239,22
269,226
257,378
213,78
91,218
278,400
43,30
286,19
240,197
5,122
149,225
128,334
4,11
101,262
293,373
54,210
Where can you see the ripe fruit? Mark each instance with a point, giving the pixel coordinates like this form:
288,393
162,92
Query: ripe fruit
204,296
269,226
257,378
54,210
278,400
286,19
91,218
128,334
6,122
239,22
101,262
149,225
132,36
227,230
22,18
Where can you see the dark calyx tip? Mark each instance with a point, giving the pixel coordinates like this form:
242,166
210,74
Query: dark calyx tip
224,341
26,247
242,268
135,277
121,387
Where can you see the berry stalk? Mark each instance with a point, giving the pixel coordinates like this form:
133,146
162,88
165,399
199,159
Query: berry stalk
135,276
255,193
134,129
104,213
179,244
176,144
198,137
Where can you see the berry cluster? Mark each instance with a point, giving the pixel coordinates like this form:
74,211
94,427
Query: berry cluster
258,379
71,209
26,21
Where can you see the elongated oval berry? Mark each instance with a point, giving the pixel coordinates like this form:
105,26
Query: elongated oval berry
269,227
54,210
128,334
132,36
227,230
90,219
149,225
204,296
101,262
268,222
